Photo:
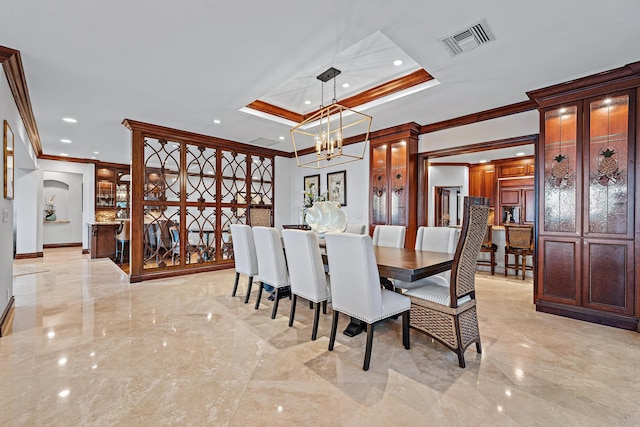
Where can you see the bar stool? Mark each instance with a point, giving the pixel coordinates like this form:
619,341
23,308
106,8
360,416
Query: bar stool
519,240
489,247
122,241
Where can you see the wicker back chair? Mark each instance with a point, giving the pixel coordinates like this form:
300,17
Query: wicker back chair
489,247
449,314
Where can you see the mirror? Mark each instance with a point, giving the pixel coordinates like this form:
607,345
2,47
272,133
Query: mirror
8,161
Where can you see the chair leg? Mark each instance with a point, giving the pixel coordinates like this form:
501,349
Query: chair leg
324,307
246,297
310,305
334,327
460,350
367,351
478,347
259,295
275,304
524,264
506,263
235,285
292,314
316,319
493,262
405,330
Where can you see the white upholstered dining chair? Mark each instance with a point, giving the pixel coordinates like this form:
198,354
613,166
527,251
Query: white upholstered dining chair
356,229
272,265
389,235
355,288
434,239
306,272
244,254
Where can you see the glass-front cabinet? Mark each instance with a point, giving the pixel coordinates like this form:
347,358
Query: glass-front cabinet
393,182
586,239
112,192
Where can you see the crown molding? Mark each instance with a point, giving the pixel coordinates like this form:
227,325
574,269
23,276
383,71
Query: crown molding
12,65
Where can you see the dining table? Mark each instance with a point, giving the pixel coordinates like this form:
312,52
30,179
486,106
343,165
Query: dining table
404,264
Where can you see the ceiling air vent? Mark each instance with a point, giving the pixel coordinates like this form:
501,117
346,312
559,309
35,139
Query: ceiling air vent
467,38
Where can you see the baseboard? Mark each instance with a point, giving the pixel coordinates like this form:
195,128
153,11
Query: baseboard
61,245
589,315
40,254
6,321
26,256
85,252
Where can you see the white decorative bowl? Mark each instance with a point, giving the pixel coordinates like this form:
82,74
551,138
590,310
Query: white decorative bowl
326,217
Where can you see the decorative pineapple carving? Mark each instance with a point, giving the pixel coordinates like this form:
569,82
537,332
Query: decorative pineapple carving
560,168
608,165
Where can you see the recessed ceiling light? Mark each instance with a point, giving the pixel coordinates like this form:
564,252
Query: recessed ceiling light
483,161
397,62
64,154
281,138
66,141
96,152
69,120
307,102
345,85
520,154
216,121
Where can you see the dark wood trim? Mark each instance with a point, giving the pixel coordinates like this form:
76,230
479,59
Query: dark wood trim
274,110
6,321
40,254
482,146
27,255
61,245
494,113
622,78
385,89
66,159
449,164
137,278
85,251
582,313
177,135
12,65
100,164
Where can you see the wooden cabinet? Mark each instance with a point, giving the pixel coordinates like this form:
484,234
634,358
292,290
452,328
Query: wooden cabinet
516,202
112,192
102,240
394,181
482,182
587,235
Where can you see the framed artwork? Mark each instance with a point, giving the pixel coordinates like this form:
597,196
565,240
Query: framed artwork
311,189
8,161
337,187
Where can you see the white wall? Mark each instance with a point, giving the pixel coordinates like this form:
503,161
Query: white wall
66,188
445,176
85,191
489,130
23,157
357,206
28,213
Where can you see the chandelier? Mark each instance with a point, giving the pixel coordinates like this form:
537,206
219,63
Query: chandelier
328,130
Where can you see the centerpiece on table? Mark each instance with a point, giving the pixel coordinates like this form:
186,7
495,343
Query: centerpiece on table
321,215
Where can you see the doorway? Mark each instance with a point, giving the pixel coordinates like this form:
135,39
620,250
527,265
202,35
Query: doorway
446,206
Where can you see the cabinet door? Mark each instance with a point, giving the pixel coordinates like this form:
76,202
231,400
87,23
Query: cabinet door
379,185
510,197
488,185
529,207
559,274
608,275
609,169
398,183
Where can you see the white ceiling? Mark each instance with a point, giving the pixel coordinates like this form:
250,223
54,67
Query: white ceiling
184,64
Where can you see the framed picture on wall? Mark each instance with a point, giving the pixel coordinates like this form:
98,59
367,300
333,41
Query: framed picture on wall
311,189
8,161
337,187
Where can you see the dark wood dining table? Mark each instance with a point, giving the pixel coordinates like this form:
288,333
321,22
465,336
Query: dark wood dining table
408,265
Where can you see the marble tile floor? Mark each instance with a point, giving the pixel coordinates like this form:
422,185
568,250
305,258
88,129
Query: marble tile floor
90,349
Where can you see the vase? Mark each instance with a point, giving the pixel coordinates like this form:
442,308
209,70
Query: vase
326,217
51,217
